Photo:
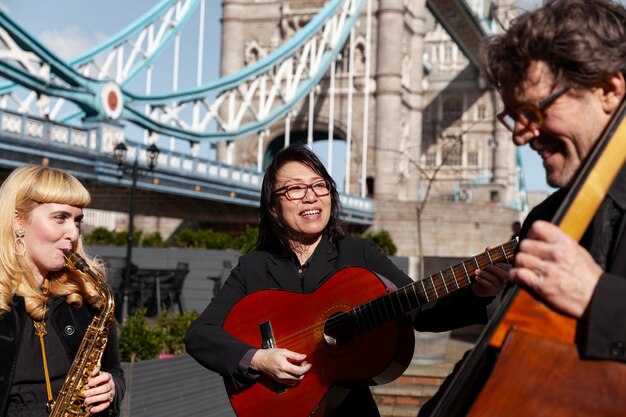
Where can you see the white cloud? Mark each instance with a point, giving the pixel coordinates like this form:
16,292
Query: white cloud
69,42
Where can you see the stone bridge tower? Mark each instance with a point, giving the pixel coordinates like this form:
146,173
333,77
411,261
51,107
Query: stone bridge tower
433,144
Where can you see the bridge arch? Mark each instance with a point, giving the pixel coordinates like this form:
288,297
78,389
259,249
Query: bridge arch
320,147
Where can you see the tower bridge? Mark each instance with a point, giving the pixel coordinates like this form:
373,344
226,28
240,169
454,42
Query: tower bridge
388,92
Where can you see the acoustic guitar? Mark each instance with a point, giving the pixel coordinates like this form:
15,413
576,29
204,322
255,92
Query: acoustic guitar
354,331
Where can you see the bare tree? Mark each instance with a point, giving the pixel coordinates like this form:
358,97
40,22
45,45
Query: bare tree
428,176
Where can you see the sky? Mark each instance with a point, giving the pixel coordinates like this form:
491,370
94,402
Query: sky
70,27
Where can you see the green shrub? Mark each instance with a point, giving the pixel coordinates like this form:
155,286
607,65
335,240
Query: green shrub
209,239
187,238
383,240
204,239
245,243
138,341
103,237
174,328
100,236
154,240
142,341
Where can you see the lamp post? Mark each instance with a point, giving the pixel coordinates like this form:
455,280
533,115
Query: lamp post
120,156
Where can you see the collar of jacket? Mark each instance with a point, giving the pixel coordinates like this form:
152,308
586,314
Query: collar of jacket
282,269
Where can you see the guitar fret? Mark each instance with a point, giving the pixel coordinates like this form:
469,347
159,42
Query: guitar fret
398,296
359,312
410,293
420,292
414,292
477,264
489,256
407,304
454,277
360,325
504,253
444,283
372,314
388,309
425,292
367,316
386,302
393,304
365,312
466,274
434,287
450,282
377,312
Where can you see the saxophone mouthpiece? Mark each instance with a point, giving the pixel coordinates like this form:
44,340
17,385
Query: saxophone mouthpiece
68,258
76,261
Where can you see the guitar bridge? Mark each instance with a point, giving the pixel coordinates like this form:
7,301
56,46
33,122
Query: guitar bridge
268,342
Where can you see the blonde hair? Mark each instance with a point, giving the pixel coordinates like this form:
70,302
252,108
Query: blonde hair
23,190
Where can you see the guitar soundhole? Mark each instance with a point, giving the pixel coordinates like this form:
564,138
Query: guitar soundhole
339,329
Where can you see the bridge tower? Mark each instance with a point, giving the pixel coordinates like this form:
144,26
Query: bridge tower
432,142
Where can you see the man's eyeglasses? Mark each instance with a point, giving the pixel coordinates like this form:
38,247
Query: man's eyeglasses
527,114
298,191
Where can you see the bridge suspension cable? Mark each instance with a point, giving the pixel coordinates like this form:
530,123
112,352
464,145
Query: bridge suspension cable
119,59
98,82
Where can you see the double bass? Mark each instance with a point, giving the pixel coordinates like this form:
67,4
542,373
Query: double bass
526,361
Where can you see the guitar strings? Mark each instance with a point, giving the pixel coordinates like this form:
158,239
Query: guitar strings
339,320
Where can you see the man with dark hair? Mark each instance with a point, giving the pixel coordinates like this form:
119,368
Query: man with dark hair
560,72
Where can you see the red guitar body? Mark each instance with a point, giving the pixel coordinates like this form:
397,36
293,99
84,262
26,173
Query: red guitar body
341,359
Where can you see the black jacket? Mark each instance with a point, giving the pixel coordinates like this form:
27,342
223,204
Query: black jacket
601,333
217,350
62,315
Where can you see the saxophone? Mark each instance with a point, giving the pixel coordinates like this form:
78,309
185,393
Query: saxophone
70,401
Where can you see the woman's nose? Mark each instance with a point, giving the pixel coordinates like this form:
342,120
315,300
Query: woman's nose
309,195
73,232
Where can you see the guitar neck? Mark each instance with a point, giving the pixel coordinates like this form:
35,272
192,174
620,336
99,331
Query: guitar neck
430,289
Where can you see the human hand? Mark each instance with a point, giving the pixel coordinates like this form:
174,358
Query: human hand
491,279
556,268
101,392
283,365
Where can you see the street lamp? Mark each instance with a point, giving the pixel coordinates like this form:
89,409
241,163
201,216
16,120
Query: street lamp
120,156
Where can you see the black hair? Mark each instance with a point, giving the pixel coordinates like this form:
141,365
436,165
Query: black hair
274,234
582,41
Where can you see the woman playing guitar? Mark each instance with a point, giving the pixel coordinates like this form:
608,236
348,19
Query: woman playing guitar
300,246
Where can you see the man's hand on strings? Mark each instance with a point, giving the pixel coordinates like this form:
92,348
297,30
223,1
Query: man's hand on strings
556,268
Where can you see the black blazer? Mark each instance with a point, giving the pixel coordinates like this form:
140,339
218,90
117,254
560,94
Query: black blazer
217,350
63,315
601,333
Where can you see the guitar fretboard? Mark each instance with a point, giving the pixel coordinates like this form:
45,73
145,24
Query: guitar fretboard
428,290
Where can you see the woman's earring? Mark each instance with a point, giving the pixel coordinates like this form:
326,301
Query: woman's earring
20,246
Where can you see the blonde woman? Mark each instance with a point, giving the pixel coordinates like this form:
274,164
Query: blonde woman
45,306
